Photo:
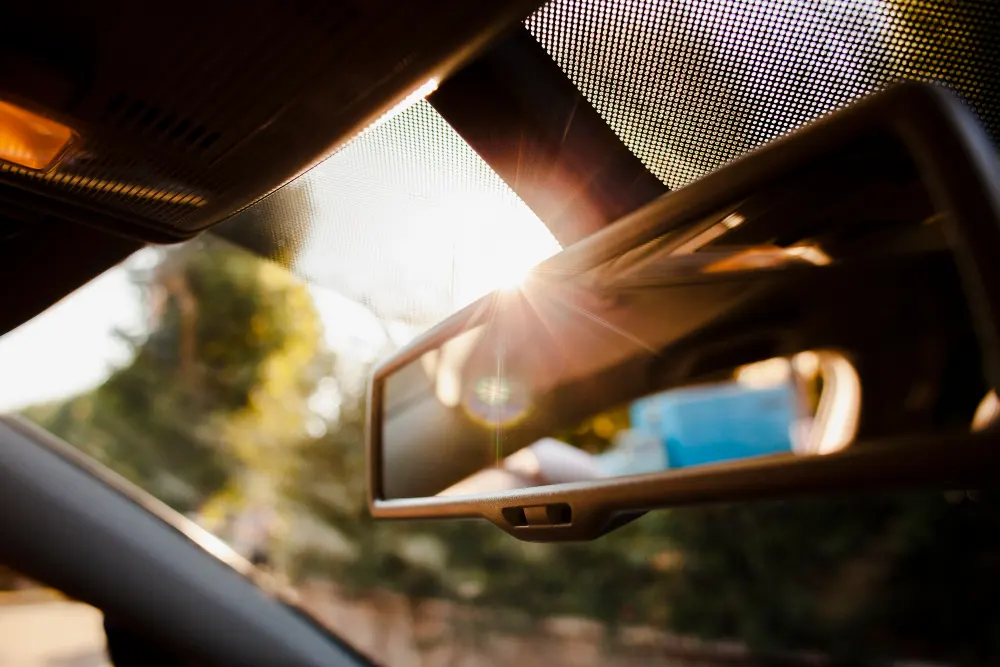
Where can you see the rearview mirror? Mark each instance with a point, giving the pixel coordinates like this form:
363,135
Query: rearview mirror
820,315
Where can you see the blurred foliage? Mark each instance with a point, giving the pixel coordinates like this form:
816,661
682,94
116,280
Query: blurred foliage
219,386
595,434
218,392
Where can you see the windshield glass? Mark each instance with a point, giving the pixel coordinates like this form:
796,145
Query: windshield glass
232,388
234,392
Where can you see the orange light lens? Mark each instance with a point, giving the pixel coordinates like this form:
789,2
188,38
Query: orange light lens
30,140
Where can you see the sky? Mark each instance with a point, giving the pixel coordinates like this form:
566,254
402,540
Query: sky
411,218
73,346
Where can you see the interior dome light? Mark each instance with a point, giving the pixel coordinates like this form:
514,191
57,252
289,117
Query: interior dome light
30,140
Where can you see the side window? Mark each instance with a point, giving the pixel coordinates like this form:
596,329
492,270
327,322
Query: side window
40,627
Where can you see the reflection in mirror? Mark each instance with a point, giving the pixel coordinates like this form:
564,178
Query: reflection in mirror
807,404
824,312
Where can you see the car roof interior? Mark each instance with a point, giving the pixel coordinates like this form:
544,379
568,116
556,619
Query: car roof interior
186,113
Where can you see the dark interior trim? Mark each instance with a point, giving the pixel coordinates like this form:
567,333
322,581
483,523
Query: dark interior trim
44,259
66,527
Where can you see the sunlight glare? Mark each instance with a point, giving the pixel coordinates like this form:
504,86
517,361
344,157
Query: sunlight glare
513,279
499,252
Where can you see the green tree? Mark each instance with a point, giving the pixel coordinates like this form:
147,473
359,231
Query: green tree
217,387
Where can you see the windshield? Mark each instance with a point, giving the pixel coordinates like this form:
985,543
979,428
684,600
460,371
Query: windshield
232,387
233,391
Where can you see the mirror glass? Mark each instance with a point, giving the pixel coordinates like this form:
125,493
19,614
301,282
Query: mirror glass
807,318
804,404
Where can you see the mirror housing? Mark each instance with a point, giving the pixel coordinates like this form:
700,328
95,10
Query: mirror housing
729,311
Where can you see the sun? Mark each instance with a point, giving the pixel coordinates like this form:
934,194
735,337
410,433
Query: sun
513,279
501,256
